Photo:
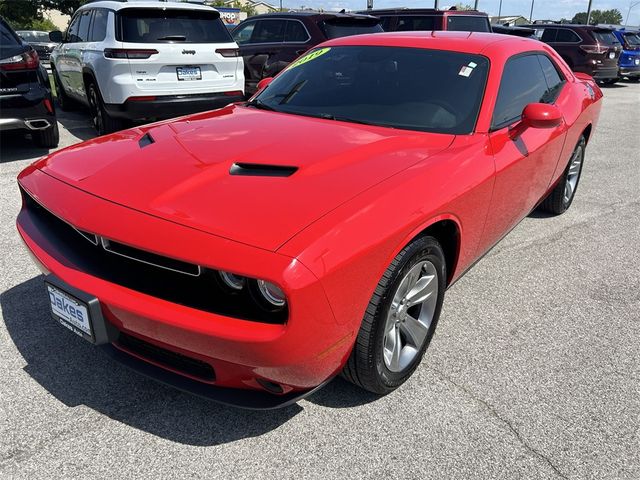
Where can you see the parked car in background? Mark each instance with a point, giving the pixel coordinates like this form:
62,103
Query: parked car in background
269,42
40,41
516,31
410,19
26,102
146,60
629,64
252,253
586,48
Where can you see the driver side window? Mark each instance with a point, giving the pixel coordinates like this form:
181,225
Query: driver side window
72,31
523,82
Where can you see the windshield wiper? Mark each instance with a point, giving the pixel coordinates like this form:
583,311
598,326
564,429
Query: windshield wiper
261,105
339,118
296,88
178,38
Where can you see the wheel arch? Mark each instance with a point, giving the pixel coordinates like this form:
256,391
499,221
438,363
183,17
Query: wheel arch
586,133
88,75
447,231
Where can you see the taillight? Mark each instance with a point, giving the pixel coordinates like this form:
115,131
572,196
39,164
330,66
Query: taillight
228,52
594,48
131,53
235,93
25,61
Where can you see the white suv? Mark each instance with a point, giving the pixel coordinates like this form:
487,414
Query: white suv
146,59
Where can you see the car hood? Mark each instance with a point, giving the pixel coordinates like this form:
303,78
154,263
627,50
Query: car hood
180,170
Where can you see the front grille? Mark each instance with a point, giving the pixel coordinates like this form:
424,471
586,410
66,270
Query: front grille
149,273
167,358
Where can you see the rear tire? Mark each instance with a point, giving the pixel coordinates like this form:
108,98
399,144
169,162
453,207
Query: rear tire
64,102
48,138
560,198
395,319
102,122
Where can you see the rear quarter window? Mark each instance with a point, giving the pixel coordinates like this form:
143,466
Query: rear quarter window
468,23
151,25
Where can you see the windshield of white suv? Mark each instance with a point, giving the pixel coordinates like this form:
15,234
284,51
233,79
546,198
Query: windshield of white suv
151,25
409,88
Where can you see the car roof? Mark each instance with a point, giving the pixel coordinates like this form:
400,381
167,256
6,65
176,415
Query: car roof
308,14
571,26
423,11
119,5
466,42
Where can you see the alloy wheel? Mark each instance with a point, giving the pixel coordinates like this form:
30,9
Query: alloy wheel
94,108
575,165
410,316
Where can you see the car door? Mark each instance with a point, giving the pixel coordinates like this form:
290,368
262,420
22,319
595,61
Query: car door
524,164
76,52
62,59
259,41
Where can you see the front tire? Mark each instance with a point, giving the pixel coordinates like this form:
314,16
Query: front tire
102,122
560,198
400,319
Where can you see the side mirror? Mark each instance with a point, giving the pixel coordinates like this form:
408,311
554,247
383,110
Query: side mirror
537,115
262,84
56,36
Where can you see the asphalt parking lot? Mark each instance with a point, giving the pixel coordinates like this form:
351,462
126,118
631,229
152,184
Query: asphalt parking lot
534,371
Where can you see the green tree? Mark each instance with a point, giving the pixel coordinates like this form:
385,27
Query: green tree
463,6
612,16
20,13
65,6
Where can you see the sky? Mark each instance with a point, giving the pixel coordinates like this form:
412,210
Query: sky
543,9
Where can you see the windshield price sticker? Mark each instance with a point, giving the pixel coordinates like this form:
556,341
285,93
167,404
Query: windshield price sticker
308,57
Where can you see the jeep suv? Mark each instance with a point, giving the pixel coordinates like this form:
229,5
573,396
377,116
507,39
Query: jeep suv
146,59
26,102
585,48
268,43
409,19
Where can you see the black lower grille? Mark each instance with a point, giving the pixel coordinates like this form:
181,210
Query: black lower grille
167,358
203,291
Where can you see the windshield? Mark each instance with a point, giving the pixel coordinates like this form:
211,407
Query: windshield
150,25
605,37
34,36
339,27
632,39
409,88
468,23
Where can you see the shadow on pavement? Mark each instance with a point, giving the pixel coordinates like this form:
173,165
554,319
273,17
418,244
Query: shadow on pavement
17,145
76,373
77,123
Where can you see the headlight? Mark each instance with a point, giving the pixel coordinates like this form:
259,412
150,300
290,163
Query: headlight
272,293
236,282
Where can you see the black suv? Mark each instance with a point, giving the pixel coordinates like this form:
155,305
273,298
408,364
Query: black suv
411,19
268,43
585,48
25,92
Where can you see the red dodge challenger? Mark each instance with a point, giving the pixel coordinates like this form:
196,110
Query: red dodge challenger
252,253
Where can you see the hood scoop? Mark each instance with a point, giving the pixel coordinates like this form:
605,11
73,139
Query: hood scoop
261,170
145,140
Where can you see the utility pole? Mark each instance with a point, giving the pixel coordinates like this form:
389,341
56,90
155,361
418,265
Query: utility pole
531,12
589,12
499,11
631,5
435,4
475,5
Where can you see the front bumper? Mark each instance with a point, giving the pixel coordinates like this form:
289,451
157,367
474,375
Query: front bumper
169,106
630,71
298,356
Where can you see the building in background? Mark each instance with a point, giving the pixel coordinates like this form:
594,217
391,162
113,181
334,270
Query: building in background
511,21
258,6
57,18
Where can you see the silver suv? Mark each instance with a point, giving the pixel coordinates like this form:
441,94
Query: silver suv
146,59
